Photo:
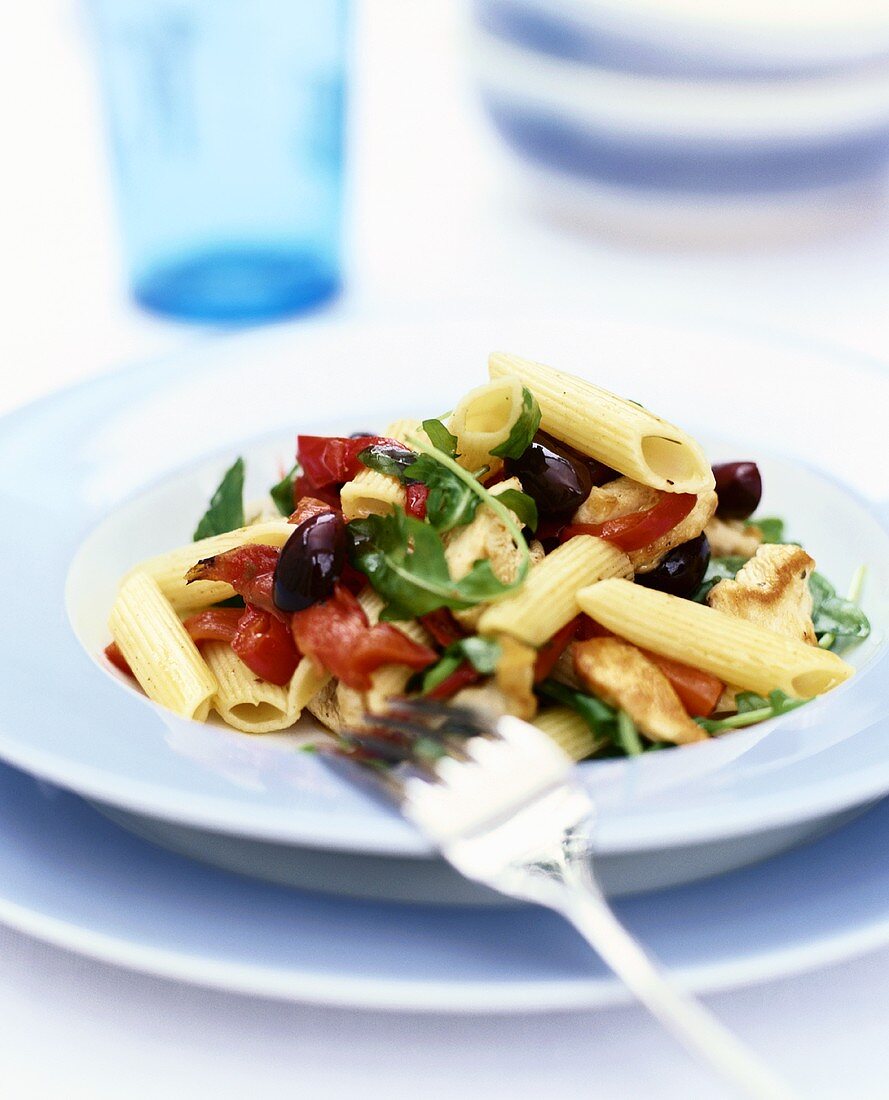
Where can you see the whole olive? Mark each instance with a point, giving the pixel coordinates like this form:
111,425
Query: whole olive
739,488
363,435
681,570
557,477
310,562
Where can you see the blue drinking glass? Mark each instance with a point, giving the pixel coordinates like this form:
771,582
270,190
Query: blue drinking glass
226,124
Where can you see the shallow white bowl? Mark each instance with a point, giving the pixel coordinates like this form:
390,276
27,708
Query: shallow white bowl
68,720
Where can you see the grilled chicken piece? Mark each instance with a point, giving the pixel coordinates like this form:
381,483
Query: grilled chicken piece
614,499
732,538
514,676
623,676
486,538
772,590
623,497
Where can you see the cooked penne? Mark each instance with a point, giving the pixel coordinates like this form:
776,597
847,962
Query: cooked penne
569,731
502,553
373,493
242,699
738,652
548,598
169,569
484,419
163,658
619,433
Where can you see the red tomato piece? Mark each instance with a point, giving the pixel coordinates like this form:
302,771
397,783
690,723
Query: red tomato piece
588,628
335,633
309,506
265,645
327,494
216,624
114,655
698,691
249,569
333,459
443,627
551,651
415,500
463,676
638,529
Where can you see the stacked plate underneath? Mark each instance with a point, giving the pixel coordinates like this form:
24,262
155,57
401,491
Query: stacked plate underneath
336,899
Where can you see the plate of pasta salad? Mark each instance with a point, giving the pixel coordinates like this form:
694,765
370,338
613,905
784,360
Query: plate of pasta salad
545,549
257,546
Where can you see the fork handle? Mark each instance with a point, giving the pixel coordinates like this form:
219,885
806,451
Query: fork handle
586,907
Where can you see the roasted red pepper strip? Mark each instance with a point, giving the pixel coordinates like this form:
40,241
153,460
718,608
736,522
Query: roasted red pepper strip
114,655
265,645
327,494
336,634
309,506
463,676
249,569
551,651
333,459
415,497
698,691
634,531
216,624
443,627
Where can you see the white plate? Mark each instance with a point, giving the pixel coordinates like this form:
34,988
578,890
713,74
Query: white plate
70,877
85,452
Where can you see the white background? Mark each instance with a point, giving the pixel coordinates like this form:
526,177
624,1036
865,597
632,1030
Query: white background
438,227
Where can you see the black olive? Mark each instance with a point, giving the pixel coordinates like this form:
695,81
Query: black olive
310,562
557,477
363,435
739,488
681,570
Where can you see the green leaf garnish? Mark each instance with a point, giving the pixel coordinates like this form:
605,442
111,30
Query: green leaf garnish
523,430
386,459
404,560
772,528
482,653
626,734
719,569
451,501
525,507
837,619
599,716
440,437
226,510
752,708
282,493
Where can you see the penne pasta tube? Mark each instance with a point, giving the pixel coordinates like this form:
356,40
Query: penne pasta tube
242,699
483,420
738,652
619,433
548,598
158,649
169,570
372,493
569,731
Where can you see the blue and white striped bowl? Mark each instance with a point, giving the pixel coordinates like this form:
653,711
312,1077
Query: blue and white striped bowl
672,97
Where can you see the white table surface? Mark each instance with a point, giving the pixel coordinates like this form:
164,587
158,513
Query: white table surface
436,230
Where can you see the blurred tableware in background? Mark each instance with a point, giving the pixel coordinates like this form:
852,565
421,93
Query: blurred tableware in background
711,116
226,131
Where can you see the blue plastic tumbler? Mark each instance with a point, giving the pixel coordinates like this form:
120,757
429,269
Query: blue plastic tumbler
226,126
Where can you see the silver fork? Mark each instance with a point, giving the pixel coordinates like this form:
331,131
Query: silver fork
497,798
